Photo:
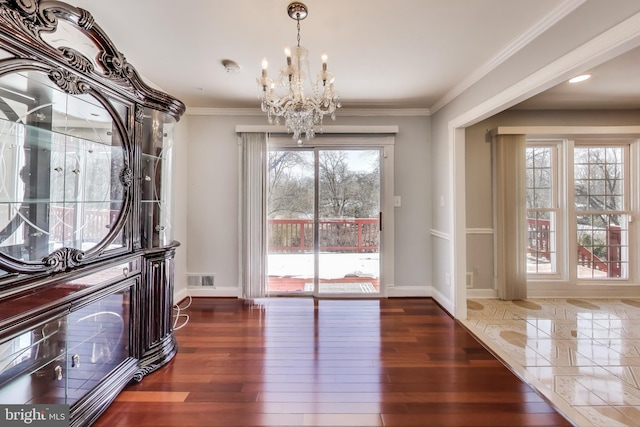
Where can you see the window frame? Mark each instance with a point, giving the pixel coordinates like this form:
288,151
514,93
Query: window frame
629,166
558,208
566,216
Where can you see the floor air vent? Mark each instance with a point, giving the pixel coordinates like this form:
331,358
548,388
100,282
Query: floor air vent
201,280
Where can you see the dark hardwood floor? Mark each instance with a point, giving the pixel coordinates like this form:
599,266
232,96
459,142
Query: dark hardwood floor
305,362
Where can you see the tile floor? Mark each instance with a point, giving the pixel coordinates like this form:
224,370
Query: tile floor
582,354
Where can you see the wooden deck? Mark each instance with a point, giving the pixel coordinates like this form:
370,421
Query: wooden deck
297,284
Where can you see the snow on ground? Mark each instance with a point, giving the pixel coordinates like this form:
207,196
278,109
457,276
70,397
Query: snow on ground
331,265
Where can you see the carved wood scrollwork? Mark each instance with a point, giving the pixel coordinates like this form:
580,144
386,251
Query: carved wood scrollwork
139,114
69,82
27,19
76,59
86,20
63,259
116,68
127,177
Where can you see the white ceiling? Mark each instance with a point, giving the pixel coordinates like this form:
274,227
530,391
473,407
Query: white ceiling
384,54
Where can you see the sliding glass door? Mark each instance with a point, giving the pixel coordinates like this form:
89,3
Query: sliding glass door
348,221
324,221
290,221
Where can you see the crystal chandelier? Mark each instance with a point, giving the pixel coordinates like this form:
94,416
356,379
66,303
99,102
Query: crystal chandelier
300,111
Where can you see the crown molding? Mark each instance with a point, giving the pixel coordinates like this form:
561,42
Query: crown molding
527,37
343,112
326,129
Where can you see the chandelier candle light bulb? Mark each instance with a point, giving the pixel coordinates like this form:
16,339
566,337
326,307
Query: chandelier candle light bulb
287,52
300,111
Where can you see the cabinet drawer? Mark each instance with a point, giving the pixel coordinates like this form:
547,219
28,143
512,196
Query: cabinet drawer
27,305
107,275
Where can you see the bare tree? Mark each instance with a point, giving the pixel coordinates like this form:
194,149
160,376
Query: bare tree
539,178
598,181
343,193
290,188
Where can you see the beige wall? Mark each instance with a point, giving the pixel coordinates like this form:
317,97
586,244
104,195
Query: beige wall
180,164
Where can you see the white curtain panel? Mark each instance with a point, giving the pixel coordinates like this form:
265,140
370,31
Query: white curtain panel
510,216
253,210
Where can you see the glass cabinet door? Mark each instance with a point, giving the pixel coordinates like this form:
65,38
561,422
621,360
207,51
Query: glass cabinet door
33,365
65,358
63,161
157,159
98,341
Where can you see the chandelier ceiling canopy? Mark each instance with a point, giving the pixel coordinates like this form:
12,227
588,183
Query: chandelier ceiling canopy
285,97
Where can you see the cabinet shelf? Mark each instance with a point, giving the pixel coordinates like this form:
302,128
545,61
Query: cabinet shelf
61,202
13,135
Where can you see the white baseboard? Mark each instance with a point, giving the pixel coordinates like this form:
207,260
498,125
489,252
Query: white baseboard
179,295
444,301
408,291
392,291
215,292
482,293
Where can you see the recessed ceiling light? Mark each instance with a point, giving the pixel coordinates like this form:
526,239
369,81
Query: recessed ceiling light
580,78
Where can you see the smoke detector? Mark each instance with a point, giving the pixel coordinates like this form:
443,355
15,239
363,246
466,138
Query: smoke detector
230,66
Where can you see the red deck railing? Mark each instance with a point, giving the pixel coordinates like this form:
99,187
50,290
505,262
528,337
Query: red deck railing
335,235
538,242
93,225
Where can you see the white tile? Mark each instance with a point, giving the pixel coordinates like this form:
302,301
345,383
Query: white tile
584,353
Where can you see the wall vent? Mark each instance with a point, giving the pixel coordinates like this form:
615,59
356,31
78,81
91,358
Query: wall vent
201,280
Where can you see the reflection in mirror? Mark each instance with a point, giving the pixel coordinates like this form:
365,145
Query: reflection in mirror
62,162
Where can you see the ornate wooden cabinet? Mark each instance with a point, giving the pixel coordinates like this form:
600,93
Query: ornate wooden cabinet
86,248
